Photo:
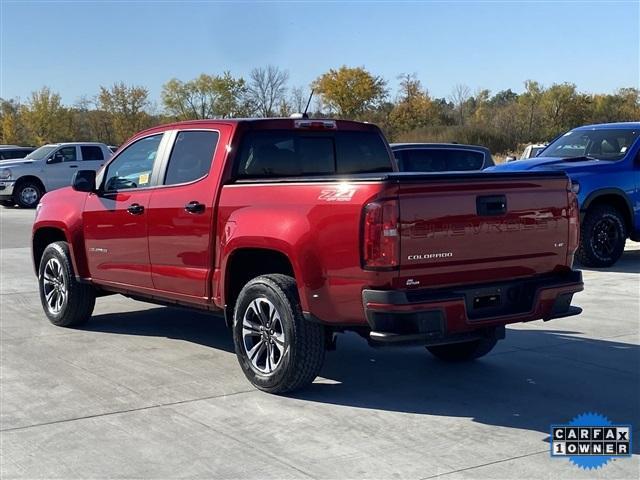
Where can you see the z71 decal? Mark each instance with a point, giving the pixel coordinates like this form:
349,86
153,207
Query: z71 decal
337,194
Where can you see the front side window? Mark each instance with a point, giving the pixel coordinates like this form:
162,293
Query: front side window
91,152
601,144
133,167
65,154
191,156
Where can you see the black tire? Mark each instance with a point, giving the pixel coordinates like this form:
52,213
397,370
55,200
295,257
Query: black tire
463,352
27,194
602,237
77,305
299,359
7,203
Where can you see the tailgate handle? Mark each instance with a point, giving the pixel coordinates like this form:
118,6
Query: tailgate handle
490,205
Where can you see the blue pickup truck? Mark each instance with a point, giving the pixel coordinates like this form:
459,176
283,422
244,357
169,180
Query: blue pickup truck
603,162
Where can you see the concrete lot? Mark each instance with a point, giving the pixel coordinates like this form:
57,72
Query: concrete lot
147,391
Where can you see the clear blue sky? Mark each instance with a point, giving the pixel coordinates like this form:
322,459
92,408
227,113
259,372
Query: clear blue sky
74,47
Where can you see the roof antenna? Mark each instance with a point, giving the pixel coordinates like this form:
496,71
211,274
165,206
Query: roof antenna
304,114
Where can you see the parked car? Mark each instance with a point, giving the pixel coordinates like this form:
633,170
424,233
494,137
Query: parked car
13,152
440,157
532,151
299,229
603,162
48,168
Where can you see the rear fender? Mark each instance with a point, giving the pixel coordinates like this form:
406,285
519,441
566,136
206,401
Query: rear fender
291,238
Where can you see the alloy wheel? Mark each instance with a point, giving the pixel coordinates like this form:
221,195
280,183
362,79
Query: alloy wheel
605,237
263,336
54,285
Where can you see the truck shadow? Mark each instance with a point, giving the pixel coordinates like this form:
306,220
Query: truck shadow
191,326
628,263
533,379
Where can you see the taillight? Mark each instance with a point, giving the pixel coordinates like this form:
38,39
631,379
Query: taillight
381,236
574,221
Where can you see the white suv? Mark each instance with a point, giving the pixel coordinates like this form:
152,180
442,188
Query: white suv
48,168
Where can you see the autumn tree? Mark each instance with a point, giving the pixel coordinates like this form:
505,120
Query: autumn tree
12,128
127,106
350,91
413,108
46,119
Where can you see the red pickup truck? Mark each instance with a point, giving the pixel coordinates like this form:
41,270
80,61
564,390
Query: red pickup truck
298,229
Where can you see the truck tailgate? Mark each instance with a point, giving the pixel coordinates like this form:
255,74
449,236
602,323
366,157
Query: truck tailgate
481,227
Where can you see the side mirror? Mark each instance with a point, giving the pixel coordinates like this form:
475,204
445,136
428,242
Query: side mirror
84,181
56,158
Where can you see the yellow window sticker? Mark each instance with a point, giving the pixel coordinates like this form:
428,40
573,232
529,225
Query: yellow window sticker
143,179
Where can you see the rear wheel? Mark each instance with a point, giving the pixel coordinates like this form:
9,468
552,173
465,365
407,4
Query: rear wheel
461,352
28,194
278,349
65,301
602,237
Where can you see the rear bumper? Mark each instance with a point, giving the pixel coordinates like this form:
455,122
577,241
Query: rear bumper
439,316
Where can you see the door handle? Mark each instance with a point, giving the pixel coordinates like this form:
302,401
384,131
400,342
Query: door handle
73,166
491,205
194,207
135,209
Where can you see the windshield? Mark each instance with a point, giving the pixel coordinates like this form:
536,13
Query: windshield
604,144
40,153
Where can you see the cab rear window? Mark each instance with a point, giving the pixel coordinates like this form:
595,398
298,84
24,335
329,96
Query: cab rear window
290,153
439,160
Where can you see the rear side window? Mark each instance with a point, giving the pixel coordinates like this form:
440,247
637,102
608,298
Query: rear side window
440,160
291,153
191,156
91,152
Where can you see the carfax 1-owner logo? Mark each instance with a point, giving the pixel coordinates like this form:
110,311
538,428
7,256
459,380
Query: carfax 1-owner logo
590,440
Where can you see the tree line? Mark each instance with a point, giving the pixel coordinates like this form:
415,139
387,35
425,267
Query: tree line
502,121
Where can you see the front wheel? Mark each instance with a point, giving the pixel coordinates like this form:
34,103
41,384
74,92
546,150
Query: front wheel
602,237
462,352
278,349
28,194
66,301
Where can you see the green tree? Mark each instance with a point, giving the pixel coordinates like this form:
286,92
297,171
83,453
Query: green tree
350,91
562,108
530,106
207,96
